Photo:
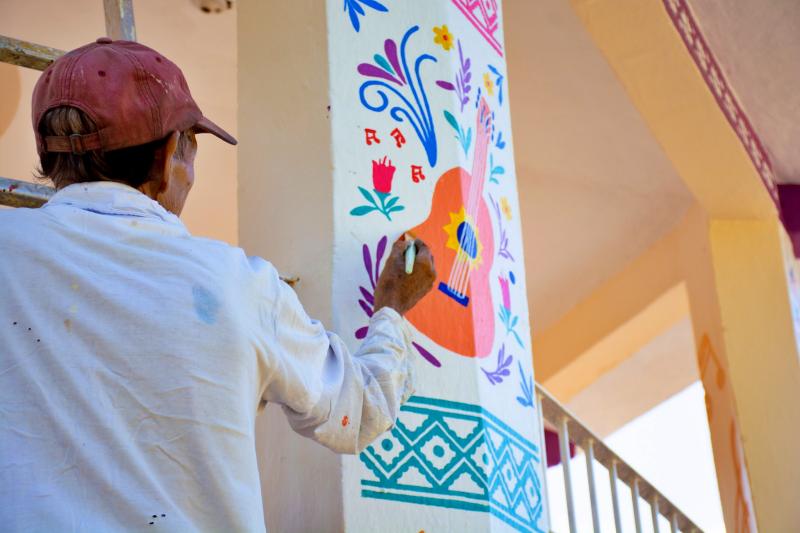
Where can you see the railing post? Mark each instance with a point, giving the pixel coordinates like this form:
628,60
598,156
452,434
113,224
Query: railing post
545,493
673,523
654,512
563,442
635,501
592,487
615,496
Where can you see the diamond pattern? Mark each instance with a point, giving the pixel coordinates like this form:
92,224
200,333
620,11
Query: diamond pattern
456,455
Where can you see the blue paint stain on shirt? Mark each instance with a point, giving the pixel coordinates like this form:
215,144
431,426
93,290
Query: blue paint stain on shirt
206,304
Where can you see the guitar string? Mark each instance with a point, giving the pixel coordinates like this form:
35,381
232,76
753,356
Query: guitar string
459,275
472,211
461,262
463,266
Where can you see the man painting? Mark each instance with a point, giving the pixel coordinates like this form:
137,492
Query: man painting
134,357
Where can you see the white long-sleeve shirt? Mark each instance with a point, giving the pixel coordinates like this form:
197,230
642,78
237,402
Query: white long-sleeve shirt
134,358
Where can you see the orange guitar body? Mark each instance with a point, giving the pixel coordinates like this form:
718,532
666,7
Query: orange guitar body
458,314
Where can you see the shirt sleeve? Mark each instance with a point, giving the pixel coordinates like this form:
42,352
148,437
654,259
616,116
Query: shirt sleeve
340,399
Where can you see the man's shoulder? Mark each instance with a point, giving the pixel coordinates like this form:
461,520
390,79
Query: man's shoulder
251,264
17,220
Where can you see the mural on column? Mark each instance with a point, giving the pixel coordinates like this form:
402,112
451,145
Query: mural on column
421,125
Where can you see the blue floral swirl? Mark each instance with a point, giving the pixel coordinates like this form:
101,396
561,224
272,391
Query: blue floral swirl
418,113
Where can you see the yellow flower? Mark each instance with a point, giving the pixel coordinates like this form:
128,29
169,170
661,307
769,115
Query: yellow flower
489,84
443,37
505,207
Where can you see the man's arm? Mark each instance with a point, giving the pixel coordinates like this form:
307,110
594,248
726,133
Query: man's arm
340,399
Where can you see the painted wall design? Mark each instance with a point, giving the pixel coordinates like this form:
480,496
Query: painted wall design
713,375
459,456
423,145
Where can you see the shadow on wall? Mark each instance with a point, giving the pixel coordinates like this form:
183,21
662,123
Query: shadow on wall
10,88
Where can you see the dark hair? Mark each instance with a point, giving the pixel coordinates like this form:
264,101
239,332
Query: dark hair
134,166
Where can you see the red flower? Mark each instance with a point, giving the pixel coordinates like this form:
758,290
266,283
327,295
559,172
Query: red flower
382,174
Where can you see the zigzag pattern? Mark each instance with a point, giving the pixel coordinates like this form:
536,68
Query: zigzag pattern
456,455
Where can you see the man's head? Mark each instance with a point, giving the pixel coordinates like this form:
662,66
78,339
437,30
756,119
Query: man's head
119,111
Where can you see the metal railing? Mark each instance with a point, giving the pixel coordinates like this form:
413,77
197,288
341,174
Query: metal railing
570,429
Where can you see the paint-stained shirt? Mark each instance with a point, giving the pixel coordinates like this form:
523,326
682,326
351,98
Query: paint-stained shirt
134,358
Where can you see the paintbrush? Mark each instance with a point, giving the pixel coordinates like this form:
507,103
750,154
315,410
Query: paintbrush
411,253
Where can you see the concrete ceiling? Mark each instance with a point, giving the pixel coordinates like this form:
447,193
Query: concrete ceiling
756,45
596,189
662,368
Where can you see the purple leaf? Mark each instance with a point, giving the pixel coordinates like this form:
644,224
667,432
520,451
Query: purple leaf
365,306
390,48
427,355
379,255
367,262
446,85
367,295
362,332
374,72
505,372
467,64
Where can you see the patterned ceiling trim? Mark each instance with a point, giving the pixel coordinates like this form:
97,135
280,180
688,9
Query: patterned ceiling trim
698,48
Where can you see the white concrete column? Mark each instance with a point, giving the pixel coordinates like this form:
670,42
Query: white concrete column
358,124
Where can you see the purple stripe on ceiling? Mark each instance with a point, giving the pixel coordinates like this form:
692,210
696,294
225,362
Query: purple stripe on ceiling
789,194
706,62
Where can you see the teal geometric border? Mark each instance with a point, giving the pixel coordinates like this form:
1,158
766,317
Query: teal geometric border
460,456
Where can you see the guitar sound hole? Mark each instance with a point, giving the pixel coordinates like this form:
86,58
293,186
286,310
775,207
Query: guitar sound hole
467,240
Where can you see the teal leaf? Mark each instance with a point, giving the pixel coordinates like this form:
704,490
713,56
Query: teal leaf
379,59
498,170
452,120
391,202
519,341
514,322
397,208
361,210
366,194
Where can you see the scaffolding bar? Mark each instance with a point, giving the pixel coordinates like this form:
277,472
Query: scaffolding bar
15,193
25,54
119,19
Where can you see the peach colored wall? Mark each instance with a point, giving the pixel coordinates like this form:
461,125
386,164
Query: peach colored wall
203,45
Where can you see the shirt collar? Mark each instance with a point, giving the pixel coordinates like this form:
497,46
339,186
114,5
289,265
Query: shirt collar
112,198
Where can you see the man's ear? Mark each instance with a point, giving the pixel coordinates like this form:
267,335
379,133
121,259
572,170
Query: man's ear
169,153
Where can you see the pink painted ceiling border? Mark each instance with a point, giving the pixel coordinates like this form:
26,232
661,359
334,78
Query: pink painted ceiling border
684,21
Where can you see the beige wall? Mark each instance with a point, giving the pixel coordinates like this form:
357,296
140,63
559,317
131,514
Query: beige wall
286,215
204,46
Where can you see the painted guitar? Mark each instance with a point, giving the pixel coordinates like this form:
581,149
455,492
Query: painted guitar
458,314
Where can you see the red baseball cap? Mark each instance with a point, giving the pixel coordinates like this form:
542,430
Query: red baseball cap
133,94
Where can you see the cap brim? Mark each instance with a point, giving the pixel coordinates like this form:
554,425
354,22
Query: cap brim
206,126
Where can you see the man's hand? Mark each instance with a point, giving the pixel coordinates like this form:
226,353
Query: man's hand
399,290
